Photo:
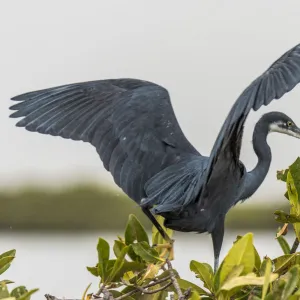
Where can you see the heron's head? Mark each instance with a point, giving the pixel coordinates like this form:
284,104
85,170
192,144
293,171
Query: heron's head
280,122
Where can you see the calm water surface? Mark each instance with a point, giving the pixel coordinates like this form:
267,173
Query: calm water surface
55,262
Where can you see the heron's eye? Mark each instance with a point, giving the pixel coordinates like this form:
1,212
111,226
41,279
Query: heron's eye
289,123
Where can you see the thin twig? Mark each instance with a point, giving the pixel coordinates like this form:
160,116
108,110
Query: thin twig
155,282
127,295
295,246
174,281
158,281
98,293
50,297
144,291
107,295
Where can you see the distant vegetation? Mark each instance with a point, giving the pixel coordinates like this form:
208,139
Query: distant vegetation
136,268
88,207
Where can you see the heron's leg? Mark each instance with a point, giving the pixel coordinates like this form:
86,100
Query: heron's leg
148,213
217,239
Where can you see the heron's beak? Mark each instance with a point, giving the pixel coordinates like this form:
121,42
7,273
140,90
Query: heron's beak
294,131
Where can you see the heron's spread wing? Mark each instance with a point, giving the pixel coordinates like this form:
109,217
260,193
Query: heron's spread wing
281,77
130,122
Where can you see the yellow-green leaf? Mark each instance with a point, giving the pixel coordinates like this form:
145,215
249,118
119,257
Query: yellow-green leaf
184,285
291,282
18,291
267,273
283,217
103,257
8,253
282,175
241,253
151,272
84,296
249,279
146,252
135,231
3,269
118,265
194,296
118,247
202,272
27,295
293,187
284,262
93,270
4,261
5,281
3,291
284,245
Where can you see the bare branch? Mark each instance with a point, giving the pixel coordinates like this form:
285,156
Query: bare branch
50,297
175,282
154,291
127,295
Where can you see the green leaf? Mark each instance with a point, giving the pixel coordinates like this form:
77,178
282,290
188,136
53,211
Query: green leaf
291,283
93,270
8,253
284,245
135,231
184,285
241,253
27,296
103,257
118,265
282,175
194,296
293,188
130,266
283,217
118,247
147,253
267,273
18,291
203,272
3,269
249,279
284,262
235,272
257,260
5,281
3,291
4,261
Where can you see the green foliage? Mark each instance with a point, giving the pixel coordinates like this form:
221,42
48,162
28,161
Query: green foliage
292,178
18,293
134,268
243,274
142,271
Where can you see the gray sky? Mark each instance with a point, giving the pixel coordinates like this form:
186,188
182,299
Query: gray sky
204,52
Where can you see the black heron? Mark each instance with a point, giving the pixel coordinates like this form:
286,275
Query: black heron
132,125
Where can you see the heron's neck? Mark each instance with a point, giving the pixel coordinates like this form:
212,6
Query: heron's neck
262,150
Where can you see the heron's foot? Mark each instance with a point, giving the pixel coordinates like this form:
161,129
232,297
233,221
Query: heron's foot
166,250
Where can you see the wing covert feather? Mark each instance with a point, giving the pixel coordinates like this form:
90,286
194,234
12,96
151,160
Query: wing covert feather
130,122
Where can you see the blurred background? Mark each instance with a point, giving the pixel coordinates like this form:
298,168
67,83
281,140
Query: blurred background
56,198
